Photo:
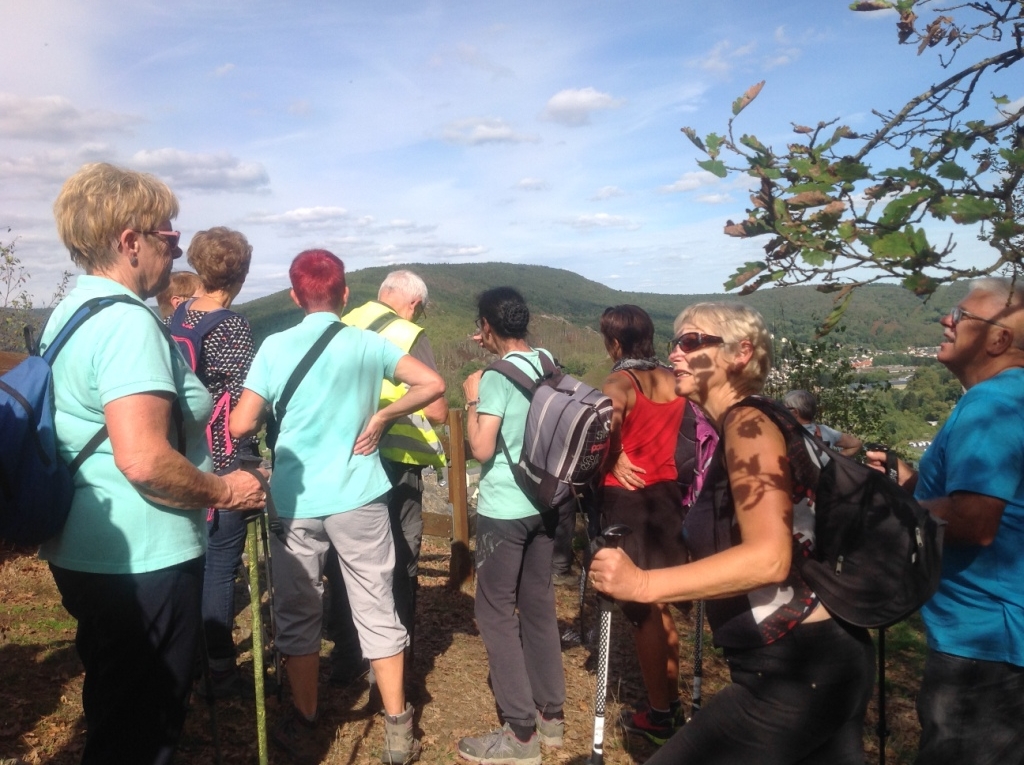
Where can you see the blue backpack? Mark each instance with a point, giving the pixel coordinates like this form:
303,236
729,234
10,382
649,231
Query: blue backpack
35,484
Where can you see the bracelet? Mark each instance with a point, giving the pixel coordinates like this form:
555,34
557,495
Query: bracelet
474,402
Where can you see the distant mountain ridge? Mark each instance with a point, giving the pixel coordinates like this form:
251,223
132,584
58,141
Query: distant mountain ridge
883,317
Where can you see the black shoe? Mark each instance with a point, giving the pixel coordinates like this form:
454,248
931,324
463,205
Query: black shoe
345,674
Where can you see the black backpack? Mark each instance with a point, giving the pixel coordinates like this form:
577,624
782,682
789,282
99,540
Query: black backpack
877,553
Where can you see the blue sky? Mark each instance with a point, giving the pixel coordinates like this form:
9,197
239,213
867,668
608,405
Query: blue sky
529,132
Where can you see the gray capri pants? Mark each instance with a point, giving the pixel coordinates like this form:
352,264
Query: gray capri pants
366,553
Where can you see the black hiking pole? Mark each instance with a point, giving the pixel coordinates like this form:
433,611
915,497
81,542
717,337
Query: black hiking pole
610,537
698,660
211,700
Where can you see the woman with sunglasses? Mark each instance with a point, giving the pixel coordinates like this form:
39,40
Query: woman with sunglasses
801,679
515,595
129,561
641,491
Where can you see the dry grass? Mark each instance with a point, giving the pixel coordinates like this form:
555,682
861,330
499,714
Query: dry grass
41,682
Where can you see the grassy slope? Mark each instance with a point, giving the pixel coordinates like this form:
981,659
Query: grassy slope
567,308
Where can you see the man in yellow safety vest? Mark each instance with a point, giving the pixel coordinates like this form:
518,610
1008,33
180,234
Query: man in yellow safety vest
408,446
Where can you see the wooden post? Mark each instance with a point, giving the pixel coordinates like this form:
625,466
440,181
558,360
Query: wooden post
460,569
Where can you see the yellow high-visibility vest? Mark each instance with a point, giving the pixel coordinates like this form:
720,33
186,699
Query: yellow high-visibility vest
410,439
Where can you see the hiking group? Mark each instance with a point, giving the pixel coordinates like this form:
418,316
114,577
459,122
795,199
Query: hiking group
717,489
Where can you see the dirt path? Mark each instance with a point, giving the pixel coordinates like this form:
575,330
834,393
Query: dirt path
40,688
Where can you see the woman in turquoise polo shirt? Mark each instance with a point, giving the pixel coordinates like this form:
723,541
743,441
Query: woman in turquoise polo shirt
515,596
129,561
330,488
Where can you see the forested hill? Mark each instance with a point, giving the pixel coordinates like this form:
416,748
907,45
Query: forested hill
879,316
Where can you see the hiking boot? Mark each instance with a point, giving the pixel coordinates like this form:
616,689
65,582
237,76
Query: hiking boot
400,747
656,728
550,732
501,747
295,735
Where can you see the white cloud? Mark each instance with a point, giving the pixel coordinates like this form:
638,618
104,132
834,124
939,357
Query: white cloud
218,171
607,192
573,107
714,199
304,218
601,221
722,57
223,69
690,182
56,119
300,108
533,184
477,130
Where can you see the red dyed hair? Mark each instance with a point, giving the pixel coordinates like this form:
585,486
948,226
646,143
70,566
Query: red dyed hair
318,278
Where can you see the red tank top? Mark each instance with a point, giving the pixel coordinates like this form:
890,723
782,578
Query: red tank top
649,434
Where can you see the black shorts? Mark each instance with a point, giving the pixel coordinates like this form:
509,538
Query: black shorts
655,514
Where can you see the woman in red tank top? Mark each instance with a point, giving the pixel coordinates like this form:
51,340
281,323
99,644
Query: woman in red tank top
640,490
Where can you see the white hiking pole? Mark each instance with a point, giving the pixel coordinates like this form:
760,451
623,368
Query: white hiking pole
698,660
611,537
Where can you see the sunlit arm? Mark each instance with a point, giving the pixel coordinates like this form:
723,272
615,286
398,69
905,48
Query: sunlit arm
761,488
425,385
139,426
248,415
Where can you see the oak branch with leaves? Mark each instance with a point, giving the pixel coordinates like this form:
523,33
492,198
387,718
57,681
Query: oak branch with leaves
833,219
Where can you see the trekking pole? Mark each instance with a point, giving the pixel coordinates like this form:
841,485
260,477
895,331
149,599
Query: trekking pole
883,729
698,660
611,537
252,531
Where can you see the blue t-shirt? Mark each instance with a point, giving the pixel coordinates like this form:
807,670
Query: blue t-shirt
120,351
978,611
500,495
315,472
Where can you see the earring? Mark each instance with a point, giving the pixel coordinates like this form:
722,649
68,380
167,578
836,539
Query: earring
134,261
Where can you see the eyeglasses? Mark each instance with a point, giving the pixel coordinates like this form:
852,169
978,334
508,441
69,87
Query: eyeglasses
479,325
958,314
172,237
688,342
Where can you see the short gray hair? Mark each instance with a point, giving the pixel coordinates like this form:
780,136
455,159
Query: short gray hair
1012,290
405,283
803,402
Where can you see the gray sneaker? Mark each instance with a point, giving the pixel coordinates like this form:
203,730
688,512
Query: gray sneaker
501,747
550,732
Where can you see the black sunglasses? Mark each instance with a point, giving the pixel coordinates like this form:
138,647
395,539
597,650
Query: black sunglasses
688,342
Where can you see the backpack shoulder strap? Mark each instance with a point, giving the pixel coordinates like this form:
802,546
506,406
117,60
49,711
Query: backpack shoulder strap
381,322
85,311
304,365
517,376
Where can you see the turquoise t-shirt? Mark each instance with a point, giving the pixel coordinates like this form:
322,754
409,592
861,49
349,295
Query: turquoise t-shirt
500,496
978,610
120,351
315,472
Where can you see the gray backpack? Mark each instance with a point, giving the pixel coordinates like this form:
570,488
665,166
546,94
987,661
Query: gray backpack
567,432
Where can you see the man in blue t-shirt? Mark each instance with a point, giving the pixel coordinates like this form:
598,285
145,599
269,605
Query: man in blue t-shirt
971,703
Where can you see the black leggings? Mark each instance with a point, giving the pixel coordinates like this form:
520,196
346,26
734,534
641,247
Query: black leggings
799,700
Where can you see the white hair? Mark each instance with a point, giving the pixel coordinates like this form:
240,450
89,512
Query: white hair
1010,290
405,283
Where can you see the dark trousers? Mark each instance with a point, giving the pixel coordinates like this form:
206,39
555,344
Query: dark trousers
223,557
562,556
515,613
971,712
797,701
405,510
137,637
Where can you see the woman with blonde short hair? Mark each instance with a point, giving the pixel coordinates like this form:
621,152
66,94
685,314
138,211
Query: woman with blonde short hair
801,679
128,563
